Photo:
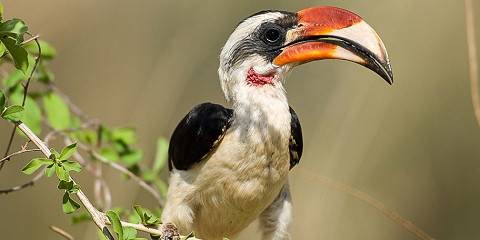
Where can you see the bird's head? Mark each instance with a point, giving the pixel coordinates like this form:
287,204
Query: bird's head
267,45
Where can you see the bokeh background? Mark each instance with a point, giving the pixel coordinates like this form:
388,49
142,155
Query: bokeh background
414,146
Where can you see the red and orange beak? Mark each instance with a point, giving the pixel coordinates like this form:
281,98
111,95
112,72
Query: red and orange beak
335,33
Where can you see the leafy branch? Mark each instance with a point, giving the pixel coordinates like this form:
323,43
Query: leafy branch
89,144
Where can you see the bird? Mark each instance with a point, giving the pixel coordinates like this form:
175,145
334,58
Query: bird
229,166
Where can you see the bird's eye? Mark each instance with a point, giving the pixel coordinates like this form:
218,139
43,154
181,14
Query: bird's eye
272,35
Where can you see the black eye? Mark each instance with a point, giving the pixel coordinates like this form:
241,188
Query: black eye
272,35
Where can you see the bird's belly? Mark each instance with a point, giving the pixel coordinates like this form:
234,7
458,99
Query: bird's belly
237,185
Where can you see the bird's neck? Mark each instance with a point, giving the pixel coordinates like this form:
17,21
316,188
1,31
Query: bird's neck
264,107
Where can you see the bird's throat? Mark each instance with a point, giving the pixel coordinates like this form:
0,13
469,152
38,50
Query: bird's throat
257,80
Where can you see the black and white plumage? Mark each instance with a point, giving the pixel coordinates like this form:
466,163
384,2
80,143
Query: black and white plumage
203,128
229,166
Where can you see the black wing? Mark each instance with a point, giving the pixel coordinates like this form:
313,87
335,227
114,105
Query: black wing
296,140
197,134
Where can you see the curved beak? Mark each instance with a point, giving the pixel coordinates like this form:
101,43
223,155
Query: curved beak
334,33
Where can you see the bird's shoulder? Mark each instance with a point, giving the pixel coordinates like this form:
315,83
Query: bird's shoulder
197,134
296,139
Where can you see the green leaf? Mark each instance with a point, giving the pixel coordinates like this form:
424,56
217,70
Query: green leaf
48,51
68,205
81,217
140,212
1,10
11,110
35,164
58,114
55,155
134,218
101,235
14,28
149,175
3,49
2,101
66,185
129,233
109,154
133,157
125,135
161,186
50,170
153,220
147,217
86,136
160,155
115,221
68,151
72,166
62,174
44,74
13,79
32,114
18,53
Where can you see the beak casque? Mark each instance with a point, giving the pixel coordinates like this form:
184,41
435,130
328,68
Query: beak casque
335,33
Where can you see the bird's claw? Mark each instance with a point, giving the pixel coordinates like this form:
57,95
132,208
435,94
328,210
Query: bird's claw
169,232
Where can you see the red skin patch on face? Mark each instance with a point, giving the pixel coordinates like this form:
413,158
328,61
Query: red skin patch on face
257,80
322,20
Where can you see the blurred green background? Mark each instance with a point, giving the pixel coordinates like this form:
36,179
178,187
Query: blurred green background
414,146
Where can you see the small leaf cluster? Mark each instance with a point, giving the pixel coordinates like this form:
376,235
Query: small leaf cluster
59,164
15,105
139,215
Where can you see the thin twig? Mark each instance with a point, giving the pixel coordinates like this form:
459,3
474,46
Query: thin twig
131,175
98,217
25,92
472,57
61,232
30,183
123,170
9,145
35,65
392,215
30,39
79,113
7,158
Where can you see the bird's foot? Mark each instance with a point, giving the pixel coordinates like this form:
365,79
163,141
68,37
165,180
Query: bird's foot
169,232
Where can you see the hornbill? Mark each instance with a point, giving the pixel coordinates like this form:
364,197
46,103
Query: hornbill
229,166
